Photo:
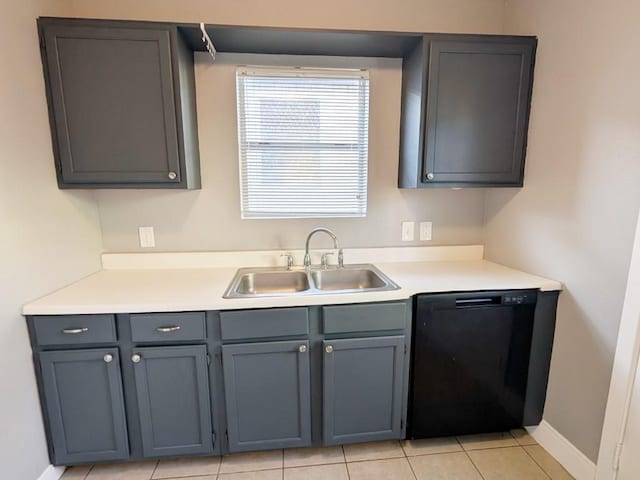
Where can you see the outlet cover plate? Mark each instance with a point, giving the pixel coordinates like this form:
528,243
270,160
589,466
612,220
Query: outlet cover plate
407,231
425,230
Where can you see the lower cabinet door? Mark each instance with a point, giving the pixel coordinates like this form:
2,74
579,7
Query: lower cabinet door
267,390
362,389
82,391
172,389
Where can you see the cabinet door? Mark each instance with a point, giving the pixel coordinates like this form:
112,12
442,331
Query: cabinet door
82,391
112,100
477,111
267,390
362,397
173,400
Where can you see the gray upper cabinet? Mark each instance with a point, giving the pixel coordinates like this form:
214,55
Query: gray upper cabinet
267,393
362,391
172,390
121,104
82,392
465,111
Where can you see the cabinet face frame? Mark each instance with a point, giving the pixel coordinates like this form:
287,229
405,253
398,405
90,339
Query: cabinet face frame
111,411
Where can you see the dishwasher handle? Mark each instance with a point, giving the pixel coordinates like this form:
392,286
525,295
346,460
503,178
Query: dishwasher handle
478,301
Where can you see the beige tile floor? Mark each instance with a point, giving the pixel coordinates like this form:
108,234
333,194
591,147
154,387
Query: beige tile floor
503,456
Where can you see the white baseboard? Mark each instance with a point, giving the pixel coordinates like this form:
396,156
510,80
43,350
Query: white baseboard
576,462
52,473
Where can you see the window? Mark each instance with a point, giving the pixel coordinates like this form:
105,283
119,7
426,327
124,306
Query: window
303,142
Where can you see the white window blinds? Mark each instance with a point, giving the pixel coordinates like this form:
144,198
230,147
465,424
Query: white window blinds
303,142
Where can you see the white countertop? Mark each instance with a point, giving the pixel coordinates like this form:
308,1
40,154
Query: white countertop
124,290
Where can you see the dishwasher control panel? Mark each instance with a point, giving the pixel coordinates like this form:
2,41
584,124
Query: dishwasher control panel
519,298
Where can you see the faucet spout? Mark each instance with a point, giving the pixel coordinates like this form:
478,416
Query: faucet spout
307,257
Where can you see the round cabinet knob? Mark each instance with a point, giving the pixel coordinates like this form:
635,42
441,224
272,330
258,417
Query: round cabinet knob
135,358
429,176
172,175
328,349
302,348
108,358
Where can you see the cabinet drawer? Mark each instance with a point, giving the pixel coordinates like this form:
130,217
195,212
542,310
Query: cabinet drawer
275,322
167,327
364,317
74,329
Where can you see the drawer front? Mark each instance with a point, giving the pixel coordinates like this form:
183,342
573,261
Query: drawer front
167,327
367,317
74,329
274,322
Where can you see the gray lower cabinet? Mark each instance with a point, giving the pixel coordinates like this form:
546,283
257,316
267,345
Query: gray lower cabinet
172,390
362,389
267,393
84,405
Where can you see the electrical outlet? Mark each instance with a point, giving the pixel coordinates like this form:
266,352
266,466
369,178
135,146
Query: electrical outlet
147,237
407,231
425,230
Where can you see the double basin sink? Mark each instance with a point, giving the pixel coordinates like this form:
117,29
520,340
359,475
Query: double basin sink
274,281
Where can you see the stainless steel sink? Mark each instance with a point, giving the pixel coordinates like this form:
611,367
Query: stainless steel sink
254,282
347,279
279,281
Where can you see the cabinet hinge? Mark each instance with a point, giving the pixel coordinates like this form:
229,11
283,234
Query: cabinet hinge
616,457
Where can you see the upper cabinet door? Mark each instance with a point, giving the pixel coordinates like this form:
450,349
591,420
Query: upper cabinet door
82,392
115,95
465,111
172,386
477,112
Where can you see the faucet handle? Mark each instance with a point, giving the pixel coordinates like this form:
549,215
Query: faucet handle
289,259
324,260
340,258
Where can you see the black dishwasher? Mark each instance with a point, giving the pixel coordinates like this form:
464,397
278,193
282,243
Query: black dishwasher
470,362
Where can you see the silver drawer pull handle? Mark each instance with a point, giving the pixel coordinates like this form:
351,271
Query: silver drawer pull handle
135,358
302,348
328,349
75,330
108,358
173,328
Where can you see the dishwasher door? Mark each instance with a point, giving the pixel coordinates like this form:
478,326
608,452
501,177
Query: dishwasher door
470,361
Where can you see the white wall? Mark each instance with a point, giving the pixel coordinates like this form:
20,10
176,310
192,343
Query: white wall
209,219
47,237
574,219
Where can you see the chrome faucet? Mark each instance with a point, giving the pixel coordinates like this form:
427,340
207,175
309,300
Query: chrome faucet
307,257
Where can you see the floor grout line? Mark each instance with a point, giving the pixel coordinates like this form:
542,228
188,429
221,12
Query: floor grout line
155,468
346,466
412,470
88,472
536,462
474,465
